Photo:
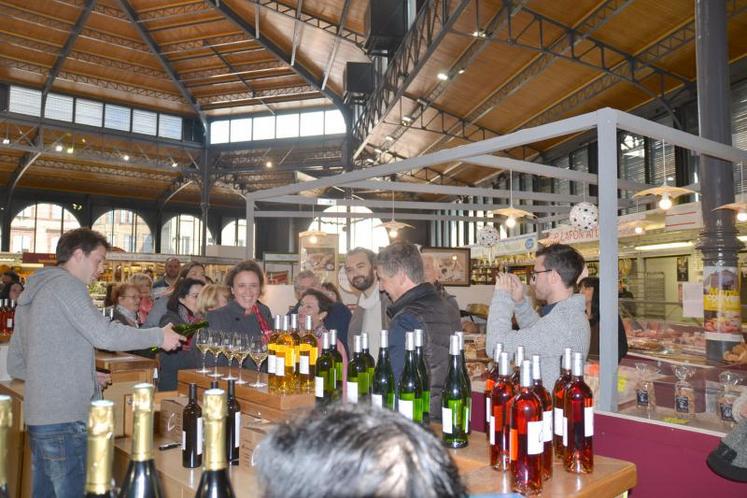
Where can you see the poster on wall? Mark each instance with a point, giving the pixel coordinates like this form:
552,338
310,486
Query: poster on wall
722,318
318,253
683,264
450,265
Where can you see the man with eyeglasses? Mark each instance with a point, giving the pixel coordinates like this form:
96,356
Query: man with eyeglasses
561,322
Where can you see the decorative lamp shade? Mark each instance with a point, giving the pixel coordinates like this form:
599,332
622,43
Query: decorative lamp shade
584,216
487,236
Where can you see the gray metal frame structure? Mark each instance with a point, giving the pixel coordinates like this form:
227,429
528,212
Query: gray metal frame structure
605,121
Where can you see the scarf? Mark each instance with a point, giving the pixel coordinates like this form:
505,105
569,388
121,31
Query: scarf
264,327
188,317
131,316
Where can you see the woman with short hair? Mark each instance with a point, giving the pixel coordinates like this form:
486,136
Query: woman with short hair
145,286
212,297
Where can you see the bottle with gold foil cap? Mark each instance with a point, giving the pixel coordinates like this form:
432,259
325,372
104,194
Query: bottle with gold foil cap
100,455
215,482
141,480
6,421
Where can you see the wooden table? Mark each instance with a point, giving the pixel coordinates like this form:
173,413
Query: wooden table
19,452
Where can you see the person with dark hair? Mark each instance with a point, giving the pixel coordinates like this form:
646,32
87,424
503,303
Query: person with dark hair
370,311
182,308
244,313
351,451
561,322
9,277
52,350
316,304
331,291
172,268
14,291
416,305
194,270
338,317
589,288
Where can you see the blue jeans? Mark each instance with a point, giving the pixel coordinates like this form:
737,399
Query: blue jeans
58,459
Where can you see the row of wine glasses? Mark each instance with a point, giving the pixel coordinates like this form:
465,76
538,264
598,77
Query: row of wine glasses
234,346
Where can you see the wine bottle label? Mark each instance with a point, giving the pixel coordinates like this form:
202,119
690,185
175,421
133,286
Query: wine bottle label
280,366
492,430
377,400
547,426
682,404
558,421
588,421
352,392
535,443
271,364
641,397
447,422
10,323
304,365
488,408
466,418
184,440
237,430
406,408
199,436
727,415
565,431
319,387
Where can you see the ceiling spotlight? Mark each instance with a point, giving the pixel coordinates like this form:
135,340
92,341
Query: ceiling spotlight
126,157
442,76
6,141
174,164
479,34
82,140
70,149
665,202
461,71
510,222
742,215
378,150
406,120
388,138
58,148
268,164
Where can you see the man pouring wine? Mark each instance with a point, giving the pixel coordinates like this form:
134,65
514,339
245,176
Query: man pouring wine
52,350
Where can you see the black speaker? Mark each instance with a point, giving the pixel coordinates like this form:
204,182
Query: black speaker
386,25
359,78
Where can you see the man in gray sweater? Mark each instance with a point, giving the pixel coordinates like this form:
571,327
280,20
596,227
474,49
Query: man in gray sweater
562,321
52,350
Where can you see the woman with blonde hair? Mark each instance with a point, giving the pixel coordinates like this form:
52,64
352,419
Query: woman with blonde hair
144,285
212,297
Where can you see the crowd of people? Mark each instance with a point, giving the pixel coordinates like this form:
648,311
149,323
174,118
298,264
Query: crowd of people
398,291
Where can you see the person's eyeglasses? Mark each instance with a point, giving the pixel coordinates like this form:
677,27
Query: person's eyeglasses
533,273
132,297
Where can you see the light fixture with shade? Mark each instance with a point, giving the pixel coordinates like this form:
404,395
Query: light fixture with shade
511,213
739,207
393,226
665,192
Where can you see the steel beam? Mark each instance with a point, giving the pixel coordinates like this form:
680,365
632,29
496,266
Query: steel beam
296,35
336,44
177,185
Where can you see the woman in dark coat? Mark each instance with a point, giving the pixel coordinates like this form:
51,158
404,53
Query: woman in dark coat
589,287
182,308
126,298
244,313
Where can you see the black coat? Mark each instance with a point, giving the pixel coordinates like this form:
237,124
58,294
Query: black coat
173,361
231,318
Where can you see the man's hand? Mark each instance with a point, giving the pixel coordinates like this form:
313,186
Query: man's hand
171,340
510,283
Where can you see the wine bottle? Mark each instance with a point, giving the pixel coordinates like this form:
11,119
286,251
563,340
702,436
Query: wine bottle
141,479
410,399
425,376
3,316
295,334
11,317
578,411
338,364
192,431
308,353
526,436
558,396
384,388
460,334
6,422
499,428
546,400
490,384
324,374
454,408
100,452
518,360
215,482
271,347
233,425
367,358
189,329
358,390
285,360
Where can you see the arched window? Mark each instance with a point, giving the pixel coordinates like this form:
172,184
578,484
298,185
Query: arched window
126,230
234,234
363,232
182,234
38,228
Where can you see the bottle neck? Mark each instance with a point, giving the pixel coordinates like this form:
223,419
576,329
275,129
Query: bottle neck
98,475
142,436
215,445
3,456
383,355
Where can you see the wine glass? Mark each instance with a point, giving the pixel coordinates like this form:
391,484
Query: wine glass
241,348
215,348
227,348
258,353
202,342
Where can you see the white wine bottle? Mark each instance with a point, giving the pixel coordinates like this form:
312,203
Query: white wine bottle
100,453
141,479
425,377
6,421
410,399
215,482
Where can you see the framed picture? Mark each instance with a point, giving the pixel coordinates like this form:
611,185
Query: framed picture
317,251
452,266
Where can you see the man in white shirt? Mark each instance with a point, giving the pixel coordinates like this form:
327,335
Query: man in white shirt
370,312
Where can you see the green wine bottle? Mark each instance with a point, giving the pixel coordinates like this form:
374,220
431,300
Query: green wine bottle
454,407
186,329
367,358
337,363
410,400
425,377
358,391
324,379
383,389
466,377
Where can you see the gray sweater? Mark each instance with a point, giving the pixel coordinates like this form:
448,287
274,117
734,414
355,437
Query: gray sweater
52,347
565,326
